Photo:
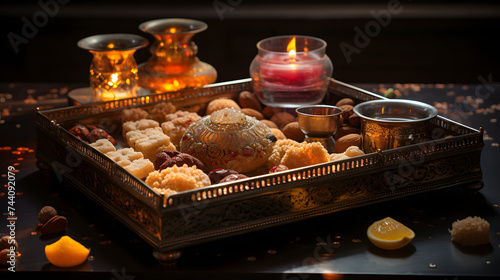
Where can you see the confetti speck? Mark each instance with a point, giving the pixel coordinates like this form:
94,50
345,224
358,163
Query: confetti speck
432,265
271,252
251,259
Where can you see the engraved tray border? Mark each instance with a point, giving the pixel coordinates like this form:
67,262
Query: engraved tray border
171,223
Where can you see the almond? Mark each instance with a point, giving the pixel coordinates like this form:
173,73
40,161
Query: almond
247,99
354,120
345,101
269,123
347,141
292,131
269,112
221,103
55,225
252,113
278,133
282,118
347,111
345,130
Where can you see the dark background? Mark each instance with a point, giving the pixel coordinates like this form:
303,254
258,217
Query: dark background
427,42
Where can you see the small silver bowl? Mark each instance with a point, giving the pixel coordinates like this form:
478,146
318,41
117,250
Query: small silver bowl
319,123
389,124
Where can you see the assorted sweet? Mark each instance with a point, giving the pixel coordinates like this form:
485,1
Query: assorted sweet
176,179
177,123
217,175
104,146
149,142
471,231
175,150
293,154
169,158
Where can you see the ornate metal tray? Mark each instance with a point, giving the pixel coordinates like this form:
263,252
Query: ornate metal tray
171,223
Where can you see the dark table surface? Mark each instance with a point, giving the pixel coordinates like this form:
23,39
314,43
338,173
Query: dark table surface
333,246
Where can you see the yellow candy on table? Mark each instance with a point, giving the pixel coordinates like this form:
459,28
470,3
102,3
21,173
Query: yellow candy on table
389,234
66,252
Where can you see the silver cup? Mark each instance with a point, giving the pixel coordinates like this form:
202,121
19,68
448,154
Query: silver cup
389,124
319,123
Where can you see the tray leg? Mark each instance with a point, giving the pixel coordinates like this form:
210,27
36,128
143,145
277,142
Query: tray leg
474,187
167,257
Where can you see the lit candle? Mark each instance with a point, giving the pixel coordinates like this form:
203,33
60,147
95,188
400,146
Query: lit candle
298,76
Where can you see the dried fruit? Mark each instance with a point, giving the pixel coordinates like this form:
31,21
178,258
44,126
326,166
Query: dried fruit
278,168
218,174
354,120
66,252
46,213
389,234
169,158
55,225
80,131
99,133
233,177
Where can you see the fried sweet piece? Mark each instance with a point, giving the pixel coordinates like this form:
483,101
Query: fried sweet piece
293,154
471,231
178,179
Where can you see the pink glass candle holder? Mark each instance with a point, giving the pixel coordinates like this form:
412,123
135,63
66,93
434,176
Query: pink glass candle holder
291,71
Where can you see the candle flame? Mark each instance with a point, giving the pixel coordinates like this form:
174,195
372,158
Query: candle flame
291,48
173,29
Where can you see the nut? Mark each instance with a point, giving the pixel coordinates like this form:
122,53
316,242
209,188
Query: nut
247,99
46,213
7,241
354,120
345,130
345,101
347,111
55,225
278,133
347,141
269,123
282,118
293,132
221,103
269,112
252,113
4,257
218,174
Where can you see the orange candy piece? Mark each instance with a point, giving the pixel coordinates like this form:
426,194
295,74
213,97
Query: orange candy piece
66,252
